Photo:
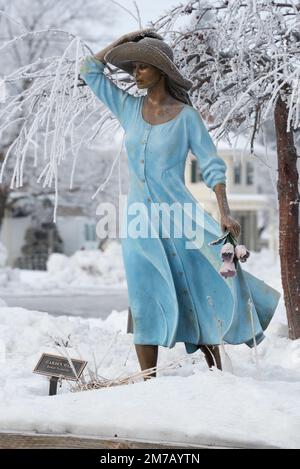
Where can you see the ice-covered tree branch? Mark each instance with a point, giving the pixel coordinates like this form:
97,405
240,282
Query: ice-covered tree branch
239,54
45,110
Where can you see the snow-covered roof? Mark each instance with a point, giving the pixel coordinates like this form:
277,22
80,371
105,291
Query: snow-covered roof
250,197
241,143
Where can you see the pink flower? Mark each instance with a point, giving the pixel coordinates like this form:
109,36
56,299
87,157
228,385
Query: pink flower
227,252
242,252
227,269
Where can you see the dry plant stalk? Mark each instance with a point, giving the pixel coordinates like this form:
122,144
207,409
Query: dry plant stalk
101,382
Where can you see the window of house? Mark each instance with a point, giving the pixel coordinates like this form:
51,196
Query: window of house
237,173
194,171
90,232
249,173
196,175
200,177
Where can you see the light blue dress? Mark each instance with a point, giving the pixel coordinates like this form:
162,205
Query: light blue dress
176,294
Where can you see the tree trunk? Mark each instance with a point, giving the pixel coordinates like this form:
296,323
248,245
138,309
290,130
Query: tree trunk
3,199
288,196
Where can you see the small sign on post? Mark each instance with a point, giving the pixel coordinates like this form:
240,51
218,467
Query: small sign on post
57,367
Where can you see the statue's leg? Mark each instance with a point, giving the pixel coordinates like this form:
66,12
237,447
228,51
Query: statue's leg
147,356
129,322
212,355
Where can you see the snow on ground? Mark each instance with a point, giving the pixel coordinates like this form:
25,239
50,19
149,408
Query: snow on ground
254,402
245,407
264,266
85,271
3,255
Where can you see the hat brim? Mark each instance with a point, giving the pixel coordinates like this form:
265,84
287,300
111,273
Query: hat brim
123,55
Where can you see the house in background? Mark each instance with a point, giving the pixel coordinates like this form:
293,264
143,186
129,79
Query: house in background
12,235
77,230
29,244
248,205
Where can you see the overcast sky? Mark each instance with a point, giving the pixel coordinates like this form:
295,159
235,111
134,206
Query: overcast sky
150,10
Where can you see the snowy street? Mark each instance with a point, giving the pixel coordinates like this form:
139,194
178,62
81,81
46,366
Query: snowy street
88,306
89,284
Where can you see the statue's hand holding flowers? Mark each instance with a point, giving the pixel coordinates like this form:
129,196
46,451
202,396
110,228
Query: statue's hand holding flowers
230,224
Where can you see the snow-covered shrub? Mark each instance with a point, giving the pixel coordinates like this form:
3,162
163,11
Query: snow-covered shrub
7,274
2,303
88,266
3,255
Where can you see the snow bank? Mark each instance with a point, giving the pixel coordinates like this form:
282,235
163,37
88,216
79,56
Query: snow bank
9,276
249,407
84,271
263,265
3,255
88,267
3,259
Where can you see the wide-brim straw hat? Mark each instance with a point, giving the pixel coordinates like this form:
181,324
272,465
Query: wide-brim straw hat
149,50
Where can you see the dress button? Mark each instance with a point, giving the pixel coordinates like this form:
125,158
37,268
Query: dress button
143,180
184,291
173,253
142,161
148,198
180,273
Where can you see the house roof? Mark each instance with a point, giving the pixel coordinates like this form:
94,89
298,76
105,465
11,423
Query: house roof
241,144
252,197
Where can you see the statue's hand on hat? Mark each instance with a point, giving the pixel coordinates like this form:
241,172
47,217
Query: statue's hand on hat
136,36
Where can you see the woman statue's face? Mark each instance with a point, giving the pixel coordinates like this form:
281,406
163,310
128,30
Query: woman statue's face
146,75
